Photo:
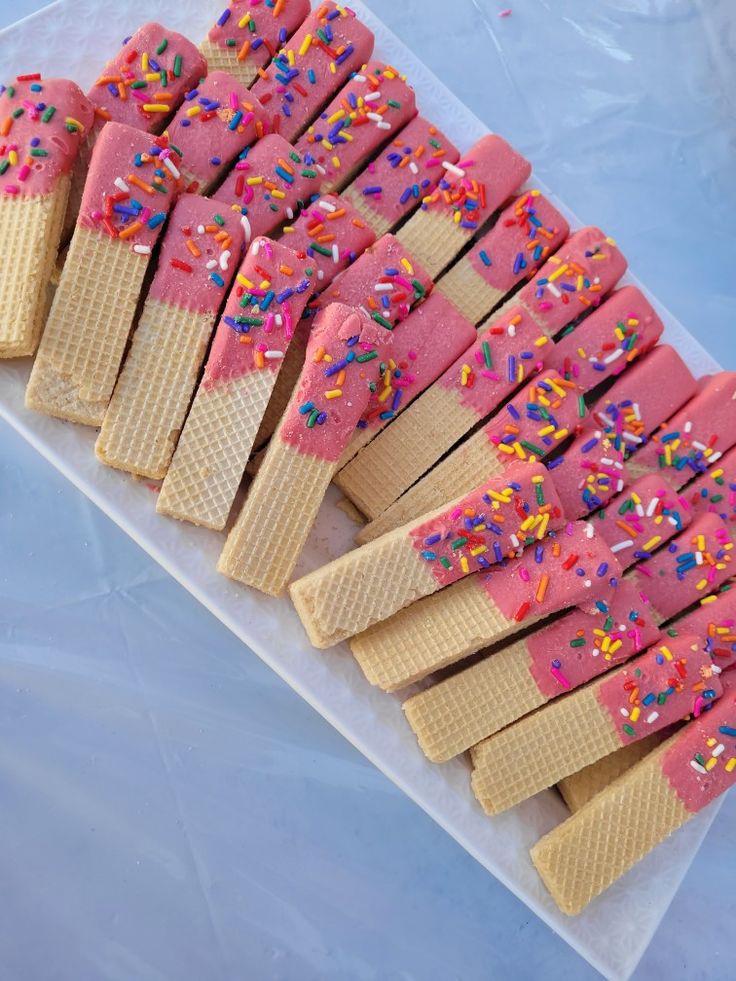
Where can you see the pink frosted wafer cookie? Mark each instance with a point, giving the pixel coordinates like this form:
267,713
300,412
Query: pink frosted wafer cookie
409,169
199,255
570,568
247,35
369,584
218,119
324,52
526,233
658,688
715,490
279,511
42,123
695,437
463,201
364,115
508,348
132,184
268,186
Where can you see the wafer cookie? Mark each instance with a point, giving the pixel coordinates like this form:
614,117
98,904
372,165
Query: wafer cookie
218,119
41,125
132,184
311,67
570,568
270,291
198,258
140,86
715,490
245,37
466,197
410,168
367,585
509,347
586,854
657,689
268,186
523,237
368,110
274,523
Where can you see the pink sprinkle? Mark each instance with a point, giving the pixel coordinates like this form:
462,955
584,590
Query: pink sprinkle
247,118
242,165
403,282
140,96
505,13
524,574
412,355
233,100
24,172
371,168
288,322
560,677
545,305
12,189
267,248
268,326
491,374
479,357
455,514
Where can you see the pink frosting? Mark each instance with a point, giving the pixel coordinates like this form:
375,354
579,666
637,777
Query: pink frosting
667,683
581,645
714,619
504,354
332,234
267,185
199,255
489,524
217,120
408,170
261,313
592,469
572,567
642,519
180,65
700,764
430,338
374,104
696,436
692,565
538,419
479,183
715,490
332,391
524,236
132,184
40,144
294,89
384,282
575,279
623,328
265,28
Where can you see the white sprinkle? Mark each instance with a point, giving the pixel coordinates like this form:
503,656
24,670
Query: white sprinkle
200,229
589,529
640,510
335,254
321,169
553,290
212,264
511,330
383,287
652,717
625,713
652,506
120,183
698,558
290,214
612,357
718,750
273,355
359,78
413,167
225,259
453,169
320,274
515,540
714,456
172,168
372,97
326,205
620,485
688,426
698,445
587,583
620,546
697,767
279,320
142,249
375,116
249,233
383,125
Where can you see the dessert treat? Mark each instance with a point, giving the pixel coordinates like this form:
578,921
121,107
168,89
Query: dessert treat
199,255
524,236
570,568
625,705
218,119
141,87
508,349
271,289
367,585
582,857
367,111
696,436
325,51
41,126
715,490
274,524
643,518
409,169
132,184
247,35
269,184
464,200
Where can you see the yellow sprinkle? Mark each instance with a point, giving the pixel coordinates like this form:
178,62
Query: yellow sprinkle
560,271
334,393
666,652
478,550
635,713
711,763
561,433
464,564
701,584
653,541
615,646
305,45
384,394
244,281
731,765
155,107
194,111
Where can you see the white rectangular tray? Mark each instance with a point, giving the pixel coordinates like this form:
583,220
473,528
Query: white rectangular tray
614,931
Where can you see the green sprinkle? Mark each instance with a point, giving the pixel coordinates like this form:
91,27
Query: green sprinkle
18,112
322,36
368,356
459,542
393,103
164,78
312,418
177,66
419,290
531,448
435,143
4,164
717,498
309,173
661,698
578,642
218,219
320,249
382,321
671,632
10,91
46,118
162,47
140,84
39,153
230,43
608,624
699,758
539,493
295,157
487,354
445,562
581,406
629,730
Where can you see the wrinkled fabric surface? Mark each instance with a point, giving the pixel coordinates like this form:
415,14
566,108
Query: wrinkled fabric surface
168,807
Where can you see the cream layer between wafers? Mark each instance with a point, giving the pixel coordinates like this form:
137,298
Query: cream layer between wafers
246,36
508,349
42,124
132,184
651,691
367,585
199,255
270,532
570,568
270,291
586,854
